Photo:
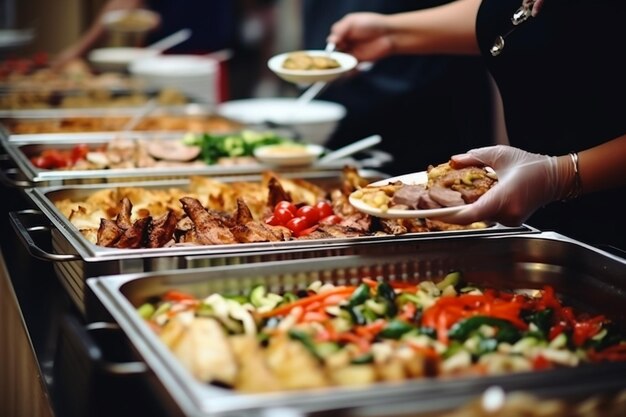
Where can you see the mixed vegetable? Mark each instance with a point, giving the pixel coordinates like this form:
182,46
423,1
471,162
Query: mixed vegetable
378,331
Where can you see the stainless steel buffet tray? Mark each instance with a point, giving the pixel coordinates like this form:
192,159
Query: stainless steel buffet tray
584,276
23,173
82,120
75,258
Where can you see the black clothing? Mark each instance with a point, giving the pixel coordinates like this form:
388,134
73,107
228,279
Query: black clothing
426,108
213,24
562,80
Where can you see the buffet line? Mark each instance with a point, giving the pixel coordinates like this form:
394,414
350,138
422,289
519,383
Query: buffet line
167,234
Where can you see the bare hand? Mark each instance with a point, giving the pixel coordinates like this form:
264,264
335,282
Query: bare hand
363,35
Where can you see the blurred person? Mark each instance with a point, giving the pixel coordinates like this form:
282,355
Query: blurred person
242,26
424,107
563,91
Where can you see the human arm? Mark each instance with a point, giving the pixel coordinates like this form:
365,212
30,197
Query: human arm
528,181
94,33
446,29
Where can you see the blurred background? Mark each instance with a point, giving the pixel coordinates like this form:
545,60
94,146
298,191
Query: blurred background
445,104
53,25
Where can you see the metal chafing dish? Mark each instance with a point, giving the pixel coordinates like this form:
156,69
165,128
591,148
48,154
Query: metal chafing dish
77,259
115,118
23,173
591,279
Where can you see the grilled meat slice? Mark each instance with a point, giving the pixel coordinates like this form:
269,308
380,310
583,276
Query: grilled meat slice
254,231
135,236
352,180
162,230
243,214
340,231
415,225
209,230
108,233
447,197
276,192
393,227
123,217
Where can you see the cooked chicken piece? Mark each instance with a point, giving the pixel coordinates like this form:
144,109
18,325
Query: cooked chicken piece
108,233
90,234
135,236
254,231
209,230
162,230
243,214
123,220
293,365
204,350
253,375
340,231
276,192
415,225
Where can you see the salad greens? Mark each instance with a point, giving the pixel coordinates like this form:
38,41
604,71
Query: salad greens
216,146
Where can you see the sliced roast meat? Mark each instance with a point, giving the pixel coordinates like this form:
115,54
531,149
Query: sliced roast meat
408,195
445,196
172,150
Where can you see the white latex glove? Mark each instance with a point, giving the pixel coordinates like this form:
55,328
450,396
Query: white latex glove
526,182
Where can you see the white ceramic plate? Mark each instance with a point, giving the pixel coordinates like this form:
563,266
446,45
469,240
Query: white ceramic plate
288,155
410,179
346,63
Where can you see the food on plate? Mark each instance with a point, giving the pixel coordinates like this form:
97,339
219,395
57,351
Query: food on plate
305,61
375,330
445,186
211,212
154,152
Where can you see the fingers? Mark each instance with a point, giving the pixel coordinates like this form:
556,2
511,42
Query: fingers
536,7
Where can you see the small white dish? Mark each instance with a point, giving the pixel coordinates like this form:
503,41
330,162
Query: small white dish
409,179
346,63
118,58
288,154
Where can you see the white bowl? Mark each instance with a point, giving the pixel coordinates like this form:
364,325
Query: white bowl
195,76
314,121
283,155
346,63
117,59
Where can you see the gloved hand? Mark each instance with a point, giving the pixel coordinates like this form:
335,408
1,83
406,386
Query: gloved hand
526,181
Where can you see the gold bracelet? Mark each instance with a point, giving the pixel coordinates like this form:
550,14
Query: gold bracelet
577,187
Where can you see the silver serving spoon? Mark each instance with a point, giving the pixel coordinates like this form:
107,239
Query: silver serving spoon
351,149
